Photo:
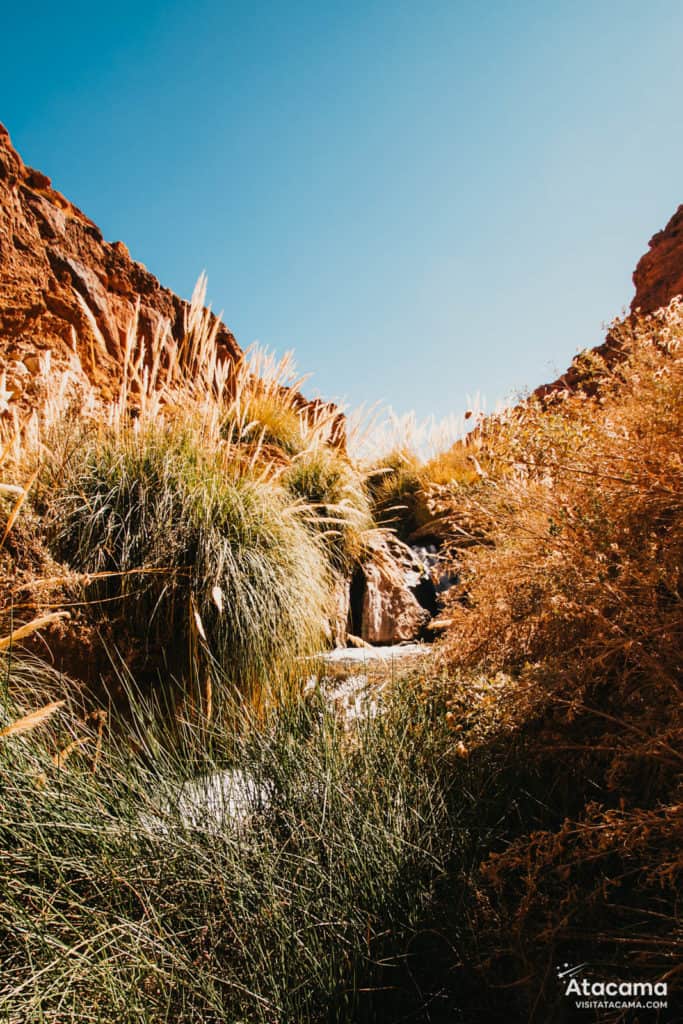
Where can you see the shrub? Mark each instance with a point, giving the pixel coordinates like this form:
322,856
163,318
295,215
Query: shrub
574,588
401,485
582,517
455,465
396,484
198,551
333,488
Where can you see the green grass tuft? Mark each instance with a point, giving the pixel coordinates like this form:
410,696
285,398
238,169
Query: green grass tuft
326,480
206,556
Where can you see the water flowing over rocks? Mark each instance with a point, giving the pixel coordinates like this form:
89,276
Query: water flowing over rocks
208,803
354,679
352,682
394,594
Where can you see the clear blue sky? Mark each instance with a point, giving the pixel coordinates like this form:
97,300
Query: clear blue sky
423,199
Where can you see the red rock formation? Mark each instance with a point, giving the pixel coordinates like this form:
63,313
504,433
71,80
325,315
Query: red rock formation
659,274
52,260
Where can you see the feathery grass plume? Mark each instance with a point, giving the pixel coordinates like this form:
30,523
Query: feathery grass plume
253,405
21,632
32,720
11,437
12,518
31,691
164,373
268,410
388,432
12,489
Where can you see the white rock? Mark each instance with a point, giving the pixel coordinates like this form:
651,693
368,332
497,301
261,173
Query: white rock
209,803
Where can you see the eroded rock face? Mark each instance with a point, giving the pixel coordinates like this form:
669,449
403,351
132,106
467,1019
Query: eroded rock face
58,276
659,274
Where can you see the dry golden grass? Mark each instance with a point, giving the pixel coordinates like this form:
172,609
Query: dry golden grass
252,407
31,627
407,459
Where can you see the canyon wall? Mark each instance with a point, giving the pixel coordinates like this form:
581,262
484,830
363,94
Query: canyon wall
64,288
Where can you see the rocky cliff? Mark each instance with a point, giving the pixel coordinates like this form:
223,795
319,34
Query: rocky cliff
659,274
63,287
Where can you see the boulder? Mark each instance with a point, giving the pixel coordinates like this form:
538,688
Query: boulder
391,613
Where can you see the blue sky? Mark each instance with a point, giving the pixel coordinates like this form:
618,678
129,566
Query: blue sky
423,200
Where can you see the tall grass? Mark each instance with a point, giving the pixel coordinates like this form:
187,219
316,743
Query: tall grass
401,485
192,550
335,491
205,506
314,904
267,409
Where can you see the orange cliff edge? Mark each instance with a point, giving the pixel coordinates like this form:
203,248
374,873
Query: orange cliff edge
58,276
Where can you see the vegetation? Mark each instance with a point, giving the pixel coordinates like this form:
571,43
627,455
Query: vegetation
328,482
311,903
397,486
573,588
401,484
191,550
214,858
202,517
